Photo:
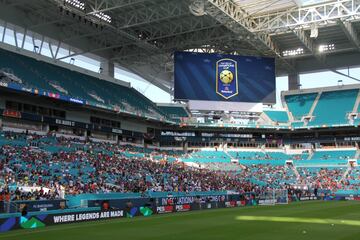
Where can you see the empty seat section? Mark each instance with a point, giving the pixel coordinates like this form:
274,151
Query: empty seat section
209,156
277,116
333,155
247,155
174,111
333,107
42,75
277,155
299,105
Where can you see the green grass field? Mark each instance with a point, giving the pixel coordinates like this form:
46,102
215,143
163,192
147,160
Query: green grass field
307,220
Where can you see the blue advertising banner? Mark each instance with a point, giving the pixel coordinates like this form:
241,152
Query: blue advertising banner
218,77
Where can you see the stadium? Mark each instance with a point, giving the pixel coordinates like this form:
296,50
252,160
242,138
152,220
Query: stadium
179,119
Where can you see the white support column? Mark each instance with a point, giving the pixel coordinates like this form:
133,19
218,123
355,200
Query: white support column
46,128
4,31
357,103
107,68
41,44
15,39
24,38
185,146
312,109
294,81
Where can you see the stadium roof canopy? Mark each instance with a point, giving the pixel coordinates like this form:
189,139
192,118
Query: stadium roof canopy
260,7
141,35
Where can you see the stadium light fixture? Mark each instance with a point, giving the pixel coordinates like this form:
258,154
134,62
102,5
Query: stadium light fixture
293,52
76,4
326,48
102,16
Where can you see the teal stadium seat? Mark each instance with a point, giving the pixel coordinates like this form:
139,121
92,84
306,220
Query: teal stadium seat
278,155
175,112
300,104
334,155
297,124
333,107
277,116
246,155
208,157
45,76
271,162
320,162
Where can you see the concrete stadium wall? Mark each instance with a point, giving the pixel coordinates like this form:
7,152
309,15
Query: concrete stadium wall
133,126
78,116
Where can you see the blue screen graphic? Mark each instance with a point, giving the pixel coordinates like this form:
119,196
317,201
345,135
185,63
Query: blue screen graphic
219,77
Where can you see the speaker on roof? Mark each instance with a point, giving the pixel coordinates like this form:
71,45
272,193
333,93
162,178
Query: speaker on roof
197,8
314,33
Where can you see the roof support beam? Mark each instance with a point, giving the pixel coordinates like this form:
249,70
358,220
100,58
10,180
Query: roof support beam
155,13
345,75
156,77
206,38
106,5
99,6
309,44
90,51
320,14
305,39
350,33
238,21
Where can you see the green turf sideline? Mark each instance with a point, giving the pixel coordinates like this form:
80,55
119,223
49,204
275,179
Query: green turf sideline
214,224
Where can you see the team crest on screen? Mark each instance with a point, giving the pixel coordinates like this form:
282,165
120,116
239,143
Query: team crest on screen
226,78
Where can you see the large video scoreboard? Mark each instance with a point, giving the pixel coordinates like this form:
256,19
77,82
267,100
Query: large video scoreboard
218,77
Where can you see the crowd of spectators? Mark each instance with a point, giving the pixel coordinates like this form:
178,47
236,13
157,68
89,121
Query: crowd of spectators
98,167
352,180
322,178
61,166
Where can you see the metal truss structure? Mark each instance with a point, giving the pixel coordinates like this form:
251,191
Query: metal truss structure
143,34
305,17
